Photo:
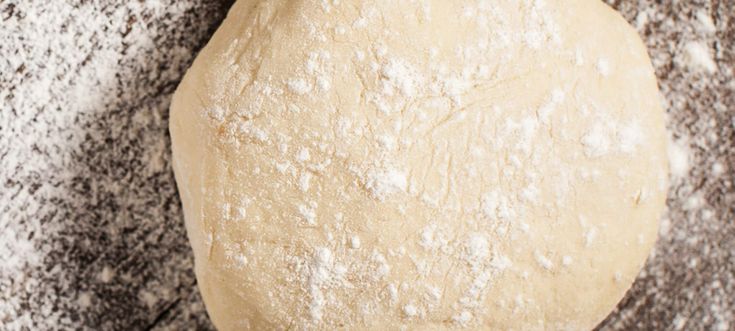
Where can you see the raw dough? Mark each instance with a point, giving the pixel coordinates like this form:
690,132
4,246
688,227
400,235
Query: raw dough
419,164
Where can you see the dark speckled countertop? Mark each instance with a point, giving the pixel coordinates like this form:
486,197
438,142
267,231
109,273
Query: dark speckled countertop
91,227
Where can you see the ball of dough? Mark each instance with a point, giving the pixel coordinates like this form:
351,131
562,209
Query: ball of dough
423,165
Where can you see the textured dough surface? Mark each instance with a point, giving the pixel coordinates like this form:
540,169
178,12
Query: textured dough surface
419,164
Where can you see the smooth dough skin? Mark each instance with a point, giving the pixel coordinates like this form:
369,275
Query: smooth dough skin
419,165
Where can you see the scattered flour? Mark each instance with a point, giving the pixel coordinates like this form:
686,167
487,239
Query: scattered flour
303,155
308,213
320,275
401,79
410,310
697,56
543,261
630,136
679,162
299,86
401,76
383,183
604,67
355,242
305,181
462,318
567,260
596,141
589,236
705,23
84,93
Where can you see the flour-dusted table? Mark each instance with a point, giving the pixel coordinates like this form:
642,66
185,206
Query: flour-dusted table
91,229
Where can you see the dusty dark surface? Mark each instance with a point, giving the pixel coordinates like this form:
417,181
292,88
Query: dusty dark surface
91,229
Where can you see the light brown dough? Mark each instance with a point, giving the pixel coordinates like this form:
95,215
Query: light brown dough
420,165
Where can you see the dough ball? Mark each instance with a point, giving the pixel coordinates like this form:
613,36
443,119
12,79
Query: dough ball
419,165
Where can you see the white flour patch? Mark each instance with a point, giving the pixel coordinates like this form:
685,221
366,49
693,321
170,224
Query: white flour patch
383,183
679,162
697,56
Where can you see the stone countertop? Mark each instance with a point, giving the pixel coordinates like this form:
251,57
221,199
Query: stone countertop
91,227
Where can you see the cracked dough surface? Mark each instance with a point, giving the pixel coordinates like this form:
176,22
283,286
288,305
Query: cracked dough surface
419,164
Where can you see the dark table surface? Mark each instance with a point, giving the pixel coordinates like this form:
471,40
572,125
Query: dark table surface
91,227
